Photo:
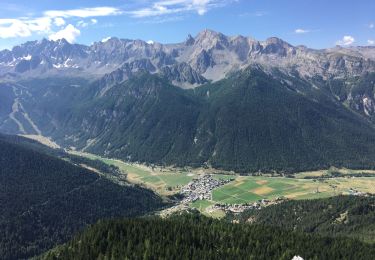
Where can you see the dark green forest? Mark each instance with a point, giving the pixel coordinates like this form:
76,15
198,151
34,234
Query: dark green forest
197,237
45,200
248,122
347,216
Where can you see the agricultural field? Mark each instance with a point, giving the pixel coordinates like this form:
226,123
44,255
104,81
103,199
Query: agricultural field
341,171
164,181
204,206
253,188
244,189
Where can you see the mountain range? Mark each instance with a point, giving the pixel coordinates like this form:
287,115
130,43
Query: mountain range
229,102
208,56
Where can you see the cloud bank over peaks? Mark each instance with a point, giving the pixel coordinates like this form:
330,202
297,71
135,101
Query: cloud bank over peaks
346,40
69,33
52,23
70,23
167,7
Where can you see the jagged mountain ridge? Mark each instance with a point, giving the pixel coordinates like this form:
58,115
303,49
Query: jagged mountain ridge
305,109
210,55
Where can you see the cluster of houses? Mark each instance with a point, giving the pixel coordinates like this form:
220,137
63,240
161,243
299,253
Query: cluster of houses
238,208
201,188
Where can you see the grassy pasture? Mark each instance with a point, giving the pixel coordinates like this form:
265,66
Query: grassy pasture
244,189
343,171
253,188
165,181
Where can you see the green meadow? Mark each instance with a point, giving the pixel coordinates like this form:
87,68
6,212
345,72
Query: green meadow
243,189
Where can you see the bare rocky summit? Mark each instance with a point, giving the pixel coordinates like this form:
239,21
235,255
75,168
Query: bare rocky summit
208,56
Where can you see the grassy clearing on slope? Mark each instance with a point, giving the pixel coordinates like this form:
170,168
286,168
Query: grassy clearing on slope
204,206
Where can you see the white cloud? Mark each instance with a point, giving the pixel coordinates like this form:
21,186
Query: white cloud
10,28
69,33
58,21
51,21
162,19
346,40
40,25
165,7
201,6
7,21
84,24
106,39
301,31
370,42
84,12
27,26
150,42
14,28
371,26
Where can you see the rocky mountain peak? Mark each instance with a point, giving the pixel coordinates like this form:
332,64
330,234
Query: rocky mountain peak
274,45
210,55
208,39
62,41
277,41
190,40
208,33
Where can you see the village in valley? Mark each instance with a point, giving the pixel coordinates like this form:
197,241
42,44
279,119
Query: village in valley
201,189
216,193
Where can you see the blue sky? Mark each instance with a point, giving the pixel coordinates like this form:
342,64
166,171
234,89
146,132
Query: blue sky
314,23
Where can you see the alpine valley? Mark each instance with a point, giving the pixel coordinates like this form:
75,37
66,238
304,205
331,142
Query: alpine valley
226,102
218,147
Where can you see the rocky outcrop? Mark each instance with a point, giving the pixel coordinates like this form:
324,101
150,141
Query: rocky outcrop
183,73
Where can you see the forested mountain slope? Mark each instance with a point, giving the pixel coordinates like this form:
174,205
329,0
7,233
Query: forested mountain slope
187,237
45,200
250,121
348,216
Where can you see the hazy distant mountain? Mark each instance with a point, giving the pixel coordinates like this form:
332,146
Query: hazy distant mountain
245,104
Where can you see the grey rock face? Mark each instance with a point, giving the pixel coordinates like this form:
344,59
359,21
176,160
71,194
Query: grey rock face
208,56
183,73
